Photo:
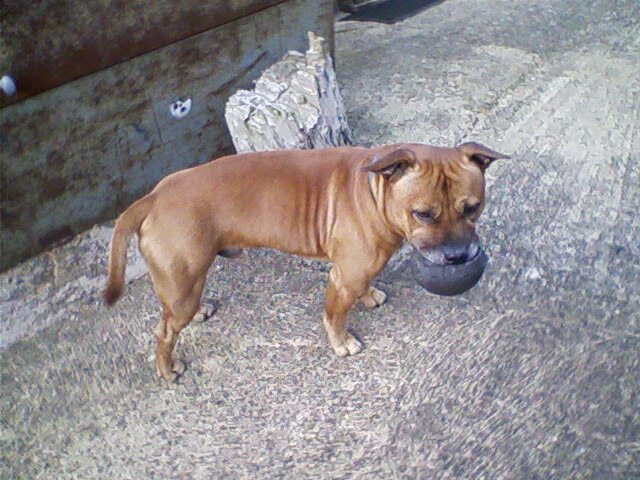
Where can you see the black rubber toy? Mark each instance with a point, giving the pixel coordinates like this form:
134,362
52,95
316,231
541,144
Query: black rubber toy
448,280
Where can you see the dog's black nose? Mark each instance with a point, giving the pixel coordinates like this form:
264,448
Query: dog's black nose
456,254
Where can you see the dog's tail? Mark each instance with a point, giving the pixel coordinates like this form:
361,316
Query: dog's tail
127,224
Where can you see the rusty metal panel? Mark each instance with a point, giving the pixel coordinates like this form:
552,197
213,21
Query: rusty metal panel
82,152
47,43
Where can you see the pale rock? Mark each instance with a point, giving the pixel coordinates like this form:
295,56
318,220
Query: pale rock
295,104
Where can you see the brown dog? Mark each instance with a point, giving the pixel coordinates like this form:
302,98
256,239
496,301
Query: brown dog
353,206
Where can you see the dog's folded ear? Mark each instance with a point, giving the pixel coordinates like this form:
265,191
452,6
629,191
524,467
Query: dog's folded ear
393,165
480,154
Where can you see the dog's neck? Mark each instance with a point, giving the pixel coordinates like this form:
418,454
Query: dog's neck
392,229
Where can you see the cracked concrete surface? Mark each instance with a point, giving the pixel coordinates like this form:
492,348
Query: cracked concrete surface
532,374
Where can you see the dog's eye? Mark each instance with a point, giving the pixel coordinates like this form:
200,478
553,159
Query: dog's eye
426,217
471,209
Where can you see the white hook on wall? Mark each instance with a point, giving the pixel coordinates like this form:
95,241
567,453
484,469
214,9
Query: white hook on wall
180,108
7,85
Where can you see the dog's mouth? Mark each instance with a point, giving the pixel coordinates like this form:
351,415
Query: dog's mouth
451,256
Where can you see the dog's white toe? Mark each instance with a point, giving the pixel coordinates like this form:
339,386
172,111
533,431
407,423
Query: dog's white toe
350,346
205,312
178,367
374,298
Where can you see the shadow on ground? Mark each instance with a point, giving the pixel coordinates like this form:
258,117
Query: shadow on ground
390,11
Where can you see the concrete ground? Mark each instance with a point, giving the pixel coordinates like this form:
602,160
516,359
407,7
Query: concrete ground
533,374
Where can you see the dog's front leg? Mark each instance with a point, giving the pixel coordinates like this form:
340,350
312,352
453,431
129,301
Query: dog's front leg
342,292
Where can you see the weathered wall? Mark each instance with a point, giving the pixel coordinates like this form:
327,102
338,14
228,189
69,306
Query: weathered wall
82,152
47,43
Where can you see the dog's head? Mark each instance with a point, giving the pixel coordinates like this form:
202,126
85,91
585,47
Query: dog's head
433,196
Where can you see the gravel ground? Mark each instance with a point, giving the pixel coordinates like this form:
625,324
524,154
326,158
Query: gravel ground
533,374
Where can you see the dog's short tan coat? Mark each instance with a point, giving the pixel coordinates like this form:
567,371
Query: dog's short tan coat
352,206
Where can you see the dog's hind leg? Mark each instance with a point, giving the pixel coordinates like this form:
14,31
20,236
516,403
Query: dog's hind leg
180,299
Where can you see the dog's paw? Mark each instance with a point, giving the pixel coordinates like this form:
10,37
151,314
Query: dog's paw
205,312
350,346
373,298
177,368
